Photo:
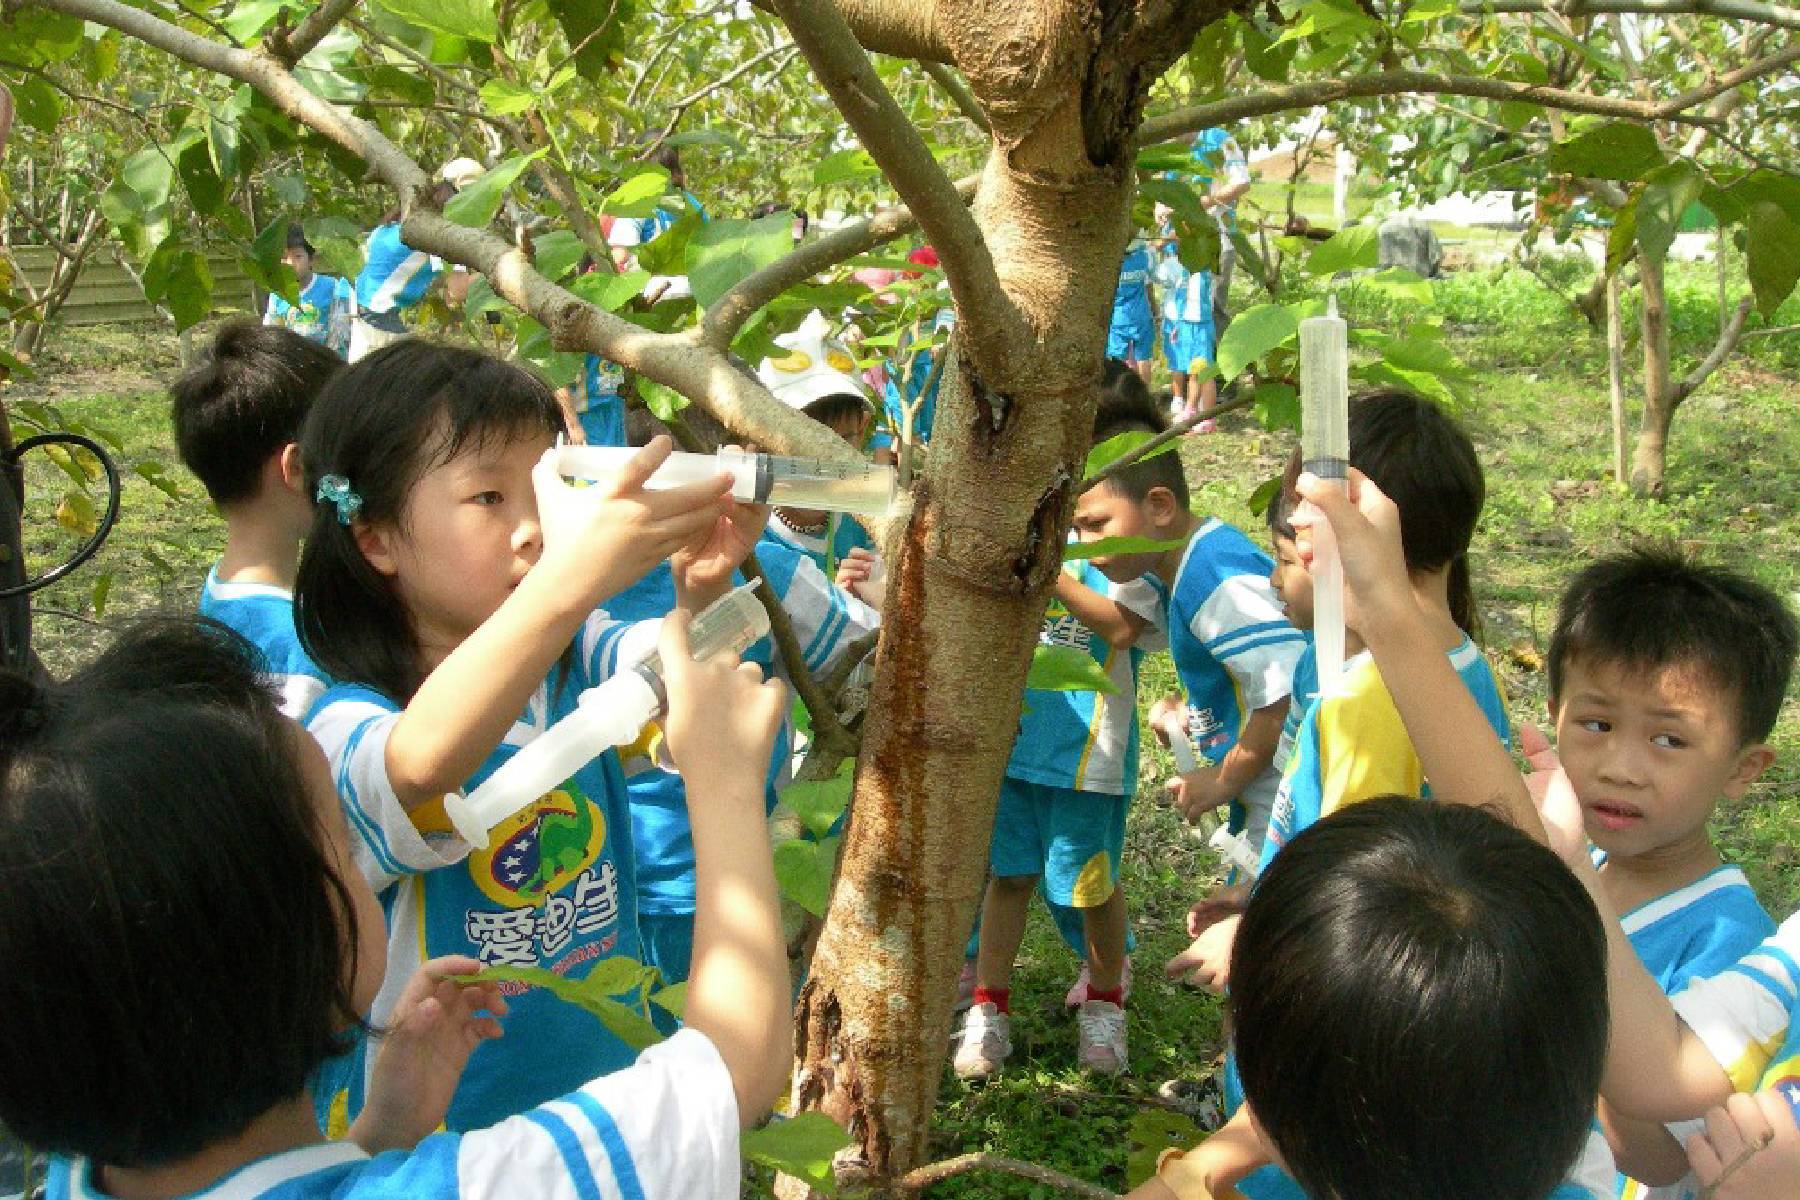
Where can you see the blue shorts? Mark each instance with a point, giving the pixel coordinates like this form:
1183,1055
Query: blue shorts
1185,341
1073,839
1132,341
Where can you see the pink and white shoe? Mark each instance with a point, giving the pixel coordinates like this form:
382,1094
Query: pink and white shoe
1102,1048
1207,426
1078,991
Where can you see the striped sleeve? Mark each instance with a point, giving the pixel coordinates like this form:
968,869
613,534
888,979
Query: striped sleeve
1146,597
605,645
664,1128
826,618
1241,624
1743,1016
387,845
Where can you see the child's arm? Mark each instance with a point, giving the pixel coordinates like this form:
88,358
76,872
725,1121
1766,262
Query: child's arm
1210,1171
1199,792
1644,1150
862,574
1750,1150
703,569
596,541
1656,1067
1114,622
721,727
565,400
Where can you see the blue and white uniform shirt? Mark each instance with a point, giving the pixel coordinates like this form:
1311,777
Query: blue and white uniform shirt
311,318
1233,647
1215,150
904,385
394,277
553,889
1187,295
264,615
663,1128
826,549
1305,691
599,403
1086,740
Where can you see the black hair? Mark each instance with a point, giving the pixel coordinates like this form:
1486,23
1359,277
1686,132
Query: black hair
769,208
1425,463
296,239
1654,607
1126,406
381,425
1419,997
668,158
1277,515
838,409
179,950
244,401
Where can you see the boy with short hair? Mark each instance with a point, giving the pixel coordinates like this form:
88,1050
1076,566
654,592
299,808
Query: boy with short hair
237,418
1665,677
321,313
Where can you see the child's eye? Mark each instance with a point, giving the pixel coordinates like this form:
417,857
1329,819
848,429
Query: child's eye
486,498
1669,741
1596,725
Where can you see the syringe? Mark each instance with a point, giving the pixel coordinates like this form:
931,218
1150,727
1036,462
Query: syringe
612,714
846,487
1235,851
1325,452
1174,727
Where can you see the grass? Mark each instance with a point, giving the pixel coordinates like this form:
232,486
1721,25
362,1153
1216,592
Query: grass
1537,409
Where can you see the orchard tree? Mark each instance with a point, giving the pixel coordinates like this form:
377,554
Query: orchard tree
1021,138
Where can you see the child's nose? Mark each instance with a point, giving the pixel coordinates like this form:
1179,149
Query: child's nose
1623,763
528,535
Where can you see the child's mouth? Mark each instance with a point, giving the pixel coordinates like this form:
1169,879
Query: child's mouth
1615,816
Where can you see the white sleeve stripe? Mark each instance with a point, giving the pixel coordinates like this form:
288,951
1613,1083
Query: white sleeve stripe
577,1157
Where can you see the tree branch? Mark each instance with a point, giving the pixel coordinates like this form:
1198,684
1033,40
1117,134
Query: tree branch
1395,83
1172,433
902,28
293,45
959,93
722,321
1728,340
887,134
920,1178
1734,10
680,107
1730,80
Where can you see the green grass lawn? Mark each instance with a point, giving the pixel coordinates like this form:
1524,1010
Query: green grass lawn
1537,410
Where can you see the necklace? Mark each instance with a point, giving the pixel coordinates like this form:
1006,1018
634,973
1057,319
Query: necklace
815,529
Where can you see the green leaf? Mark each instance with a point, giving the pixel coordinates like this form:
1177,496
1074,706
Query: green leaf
1515,115
470,19
597,31
1666,195
593,995
663,402
556,253
1252,334
204,188
1121,444
506,99
637,194
1612,150
844,165
1264,57
249,18
190,286
610,292
102,590
820,802
803,869
39,36
1401,284
1103,547
1263,496
222,140
157,476
1278,405
149,176
1066,669
76,514
38,104
800,1146
1772,254
1622,236
721,253
1351,248
1151,1132
478,204
672,999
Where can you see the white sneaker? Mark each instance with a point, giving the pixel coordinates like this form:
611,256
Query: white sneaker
1102,1037
1078,991
985,1042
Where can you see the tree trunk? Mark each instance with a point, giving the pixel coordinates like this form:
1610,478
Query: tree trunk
1615,376
1649,459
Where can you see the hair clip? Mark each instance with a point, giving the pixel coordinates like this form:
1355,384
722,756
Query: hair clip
336,489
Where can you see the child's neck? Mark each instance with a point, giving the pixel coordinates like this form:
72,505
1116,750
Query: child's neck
1168,563
287,1126
1431,591
1631,882
260,547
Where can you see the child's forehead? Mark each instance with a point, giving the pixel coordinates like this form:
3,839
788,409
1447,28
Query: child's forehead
1686,683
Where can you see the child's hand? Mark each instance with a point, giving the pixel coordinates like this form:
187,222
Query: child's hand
722,714
1207,963
1750,1150
863,575
1196,793
1226,902
436,1025
1558,808
1367,526
1160,712
599,540
703,568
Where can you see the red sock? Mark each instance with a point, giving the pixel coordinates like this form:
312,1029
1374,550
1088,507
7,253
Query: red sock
1000,998
1114,996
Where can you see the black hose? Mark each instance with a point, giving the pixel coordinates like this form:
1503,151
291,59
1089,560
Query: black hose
102,530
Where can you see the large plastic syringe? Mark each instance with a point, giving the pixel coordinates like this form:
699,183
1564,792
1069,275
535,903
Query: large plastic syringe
1325,452
612,714
846,487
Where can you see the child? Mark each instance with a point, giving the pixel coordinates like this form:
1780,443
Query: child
237,416
394,279
1654,664
322,313
450,584
1187,328
1294,588
817,376
593,406
1234,651
160,1043
1132,337
1061,814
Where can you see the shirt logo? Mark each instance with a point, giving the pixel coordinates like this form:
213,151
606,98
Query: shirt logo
540,849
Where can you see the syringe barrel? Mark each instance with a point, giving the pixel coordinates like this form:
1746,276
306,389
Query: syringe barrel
865,488
729,625
602,462
1180,745
1325,394
1235,851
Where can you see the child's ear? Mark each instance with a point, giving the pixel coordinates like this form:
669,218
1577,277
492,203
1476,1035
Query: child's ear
377,545
1752,762
1162,505
288,463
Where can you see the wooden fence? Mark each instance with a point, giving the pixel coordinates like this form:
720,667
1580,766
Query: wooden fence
106,294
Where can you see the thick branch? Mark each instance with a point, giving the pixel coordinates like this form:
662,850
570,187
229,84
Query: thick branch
902,28
1731,80
292,46
920,1178
1397,83
897,148
728,314
1728,340
1736,10
959,93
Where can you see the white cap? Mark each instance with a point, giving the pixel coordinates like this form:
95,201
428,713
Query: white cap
812,368
462,172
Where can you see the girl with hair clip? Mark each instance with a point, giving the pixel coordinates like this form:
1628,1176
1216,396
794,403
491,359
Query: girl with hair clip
451,584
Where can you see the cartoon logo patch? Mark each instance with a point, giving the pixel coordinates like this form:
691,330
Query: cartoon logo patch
540,849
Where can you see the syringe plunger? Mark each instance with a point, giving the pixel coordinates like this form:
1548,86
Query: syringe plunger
1325,452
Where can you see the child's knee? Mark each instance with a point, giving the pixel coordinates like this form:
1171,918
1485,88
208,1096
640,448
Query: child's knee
1013,885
